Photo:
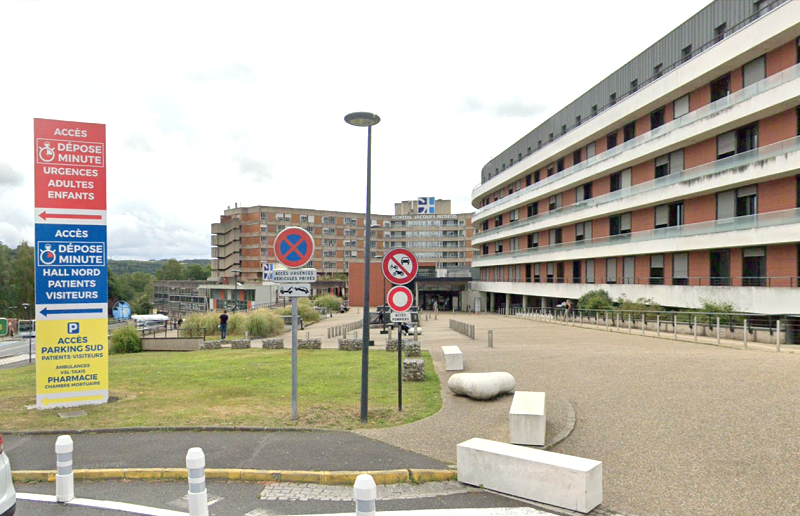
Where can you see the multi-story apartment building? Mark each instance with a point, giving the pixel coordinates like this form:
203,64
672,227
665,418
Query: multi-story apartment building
675,178
245,236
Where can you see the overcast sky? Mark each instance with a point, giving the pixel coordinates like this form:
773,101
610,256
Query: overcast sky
211,104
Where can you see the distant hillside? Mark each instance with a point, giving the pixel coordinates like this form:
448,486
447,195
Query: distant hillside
146,266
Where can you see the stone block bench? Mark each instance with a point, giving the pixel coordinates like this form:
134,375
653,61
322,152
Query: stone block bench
527,418
481,386
453,359
573,483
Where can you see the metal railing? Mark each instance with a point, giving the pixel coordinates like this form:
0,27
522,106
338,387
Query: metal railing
692,281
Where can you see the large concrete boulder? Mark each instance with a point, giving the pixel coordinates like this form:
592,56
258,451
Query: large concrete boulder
481,386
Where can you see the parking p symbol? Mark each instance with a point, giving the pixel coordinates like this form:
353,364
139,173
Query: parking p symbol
73,328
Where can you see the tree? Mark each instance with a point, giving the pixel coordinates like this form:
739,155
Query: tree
198,272
172,270
595,300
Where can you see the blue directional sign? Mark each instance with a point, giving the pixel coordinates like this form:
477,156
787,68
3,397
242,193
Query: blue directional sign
71,265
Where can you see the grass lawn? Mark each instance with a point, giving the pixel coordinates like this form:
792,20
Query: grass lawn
248,387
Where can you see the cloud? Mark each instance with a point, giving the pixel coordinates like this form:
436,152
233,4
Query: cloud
10,177
258,171
139,143
513,107
238,72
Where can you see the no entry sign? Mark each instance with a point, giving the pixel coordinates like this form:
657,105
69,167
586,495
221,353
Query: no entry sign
400,299
294,247
400,266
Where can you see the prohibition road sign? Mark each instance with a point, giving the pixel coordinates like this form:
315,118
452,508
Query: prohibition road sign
400,298
294,247
400,266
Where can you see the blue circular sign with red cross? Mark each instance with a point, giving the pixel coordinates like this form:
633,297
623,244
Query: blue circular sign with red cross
294,247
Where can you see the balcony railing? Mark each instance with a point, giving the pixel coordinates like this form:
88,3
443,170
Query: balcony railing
691,281
708,169
733,99
762,220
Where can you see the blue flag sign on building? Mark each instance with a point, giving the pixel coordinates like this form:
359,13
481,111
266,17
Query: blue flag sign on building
426,205
71,263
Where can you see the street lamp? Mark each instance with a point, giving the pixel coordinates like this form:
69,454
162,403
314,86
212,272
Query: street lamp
27,308
236,273
361,119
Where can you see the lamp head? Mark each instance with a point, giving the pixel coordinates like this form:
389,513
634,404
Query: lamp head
362,119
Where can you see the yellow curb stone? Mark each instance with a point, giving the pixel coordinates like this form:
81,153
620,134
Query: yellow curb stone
432,475
311,477
224,474
174,473
143,474
103,474
33,476
261,475
392,476
339,478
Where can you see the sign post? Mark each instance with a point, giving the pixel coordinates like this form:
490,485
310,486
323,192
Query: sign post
400,266
294,247
71,267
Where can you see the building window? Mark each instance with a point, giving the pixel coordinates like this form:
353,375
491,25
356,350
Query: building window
539,145
611,270
513,215
550,171
576,157
536,176
669,215
620,180
737,141
563,130
529,151
629,131
657,269
671,163
590,150
634,85
533,209
721,88
328,231
498,221
657,118
537,277
576,271
578,120
554,202
680,269
519,156
738,202
485,225
720,261
485,249
528,179
680,107
550,272
611,140
658,70
583,192
754,267
560,165
514,244
555,236
550,138
533,240
686,53
590,271
754,71
628,271
619,224
511,162
594,108
719,33
498,247
612,99
583,231
510,189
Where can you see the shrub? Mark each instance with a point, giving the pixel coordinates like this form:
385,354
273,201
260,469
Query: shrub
125,340
595,300
643,304
329,301
304,309
264,323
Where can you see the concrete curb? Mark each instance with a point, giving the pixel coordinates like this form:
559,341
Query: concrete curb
166,429
392,476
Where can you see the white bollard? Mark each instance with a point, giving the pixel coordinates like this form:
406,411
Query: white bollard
198,495
365,493
65,481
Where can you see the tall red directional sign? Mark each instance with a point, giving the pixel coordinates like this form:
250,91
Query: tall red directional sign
71,263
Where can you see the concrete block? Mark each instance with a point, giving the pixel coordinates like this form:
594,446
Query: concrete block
453,358
573,483
527,419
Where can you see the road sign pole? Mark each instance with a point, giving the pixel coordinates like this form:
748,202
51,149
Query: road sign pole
294,359
399,367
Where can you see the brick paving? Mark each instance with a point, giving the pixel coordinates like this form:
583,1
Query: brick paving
290,491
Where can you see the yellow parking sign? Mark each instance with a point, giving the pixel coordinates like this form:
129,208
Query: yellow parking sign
71,362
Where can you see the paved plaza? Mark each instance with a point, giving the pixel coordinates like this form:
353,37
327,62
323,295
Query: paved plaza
681,428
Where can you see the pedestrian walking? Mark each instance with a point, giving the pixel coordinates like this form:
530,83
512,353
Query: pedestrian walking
223,324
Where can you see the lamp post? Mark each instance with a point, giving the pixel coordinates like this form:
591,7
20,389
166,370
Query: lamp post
27,308
361,119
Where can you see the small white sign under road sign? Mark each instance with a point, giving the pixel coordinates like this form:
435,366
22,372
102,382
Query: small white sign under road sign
400,317
294,276
294,290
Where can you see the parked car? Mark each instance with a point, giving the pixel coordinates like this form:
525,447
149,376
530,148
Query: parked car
8,497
